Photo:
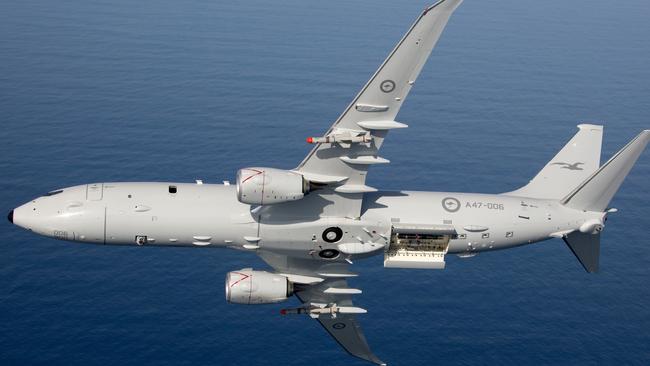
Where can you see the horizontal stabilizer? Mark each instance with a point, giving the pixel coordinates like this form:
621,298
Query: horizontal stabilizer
586,247
595,193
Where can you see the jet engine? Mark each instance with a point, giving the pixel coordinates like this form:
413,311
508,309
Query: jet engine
266,186
248,287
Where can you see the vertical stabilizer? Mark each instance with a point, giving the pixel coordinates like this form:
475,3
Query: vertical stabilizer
586,247
595,193
577,160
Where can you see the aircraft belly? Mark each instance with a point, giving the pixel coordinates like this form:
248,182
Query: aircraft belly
196,215
482,221
309,239
211,216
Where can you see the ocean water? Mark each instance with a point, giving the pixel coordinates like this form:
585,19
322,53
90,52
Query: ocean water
94,91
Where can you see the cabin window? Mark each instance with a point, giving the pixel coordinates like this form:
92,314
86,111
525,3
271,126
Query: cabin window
172,189
52,193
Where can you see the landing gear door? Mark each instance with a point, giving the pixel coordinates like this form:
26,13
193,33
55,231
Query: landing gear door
418,246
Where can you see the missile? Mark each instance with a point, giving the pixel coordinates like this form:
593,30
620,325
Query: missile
294,311
345,137
316,311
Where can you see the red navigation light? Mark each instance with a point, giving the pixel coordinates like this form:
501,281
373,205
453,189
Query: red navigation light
310,140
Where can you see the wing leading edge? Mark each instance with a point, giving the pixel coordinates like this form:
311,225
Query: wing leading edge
344,328
325,294
341,157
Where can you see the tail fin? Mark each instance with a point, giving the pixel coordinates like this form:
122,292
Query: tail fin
595,193
586,247
572,165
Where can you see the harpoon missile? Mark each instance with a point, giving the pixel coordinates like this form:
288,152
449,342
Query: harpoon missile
344,137
316,311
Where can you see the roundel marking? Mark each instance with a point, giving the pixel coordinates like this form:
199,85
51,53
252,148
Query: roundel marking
329,253
450,204
332,234
387,86
338,325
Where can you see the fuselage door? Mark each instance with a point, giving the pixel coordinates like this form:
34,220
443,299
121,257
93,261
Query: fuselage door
95,191
418,246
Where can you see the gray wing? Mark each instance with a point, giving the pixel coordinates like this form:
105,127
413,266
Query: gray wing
325,283
344,328
343,166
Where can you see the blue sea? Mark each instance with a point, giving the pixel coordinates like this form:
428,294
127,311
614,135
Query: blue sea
98,90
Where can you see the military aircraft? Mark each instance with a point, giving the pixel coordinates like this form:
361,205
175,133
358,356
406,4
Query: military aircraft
312,222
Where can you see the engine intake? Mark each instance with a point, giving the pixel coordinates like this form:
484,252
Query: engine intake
248,287
267,186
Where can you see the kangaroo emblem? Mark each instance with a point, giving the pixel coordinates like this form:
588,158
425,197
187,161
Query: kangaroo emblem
573,166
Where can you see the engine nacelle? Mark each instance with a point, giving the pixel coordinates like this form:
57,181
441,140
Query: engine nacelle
266,186
248,287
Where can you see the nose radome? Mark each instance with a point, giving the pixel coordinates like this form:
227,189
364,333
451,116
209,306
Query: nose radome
11,216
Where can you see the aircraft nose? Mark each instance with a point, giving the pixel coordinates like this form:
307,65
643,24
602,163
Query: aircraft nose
11,216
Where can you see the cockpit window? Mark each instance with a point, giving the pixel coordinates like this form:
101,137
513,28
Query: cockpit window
52,193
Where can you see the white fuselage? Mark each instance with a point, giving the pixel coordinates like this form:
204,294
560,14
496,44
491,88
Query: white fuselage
209,215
